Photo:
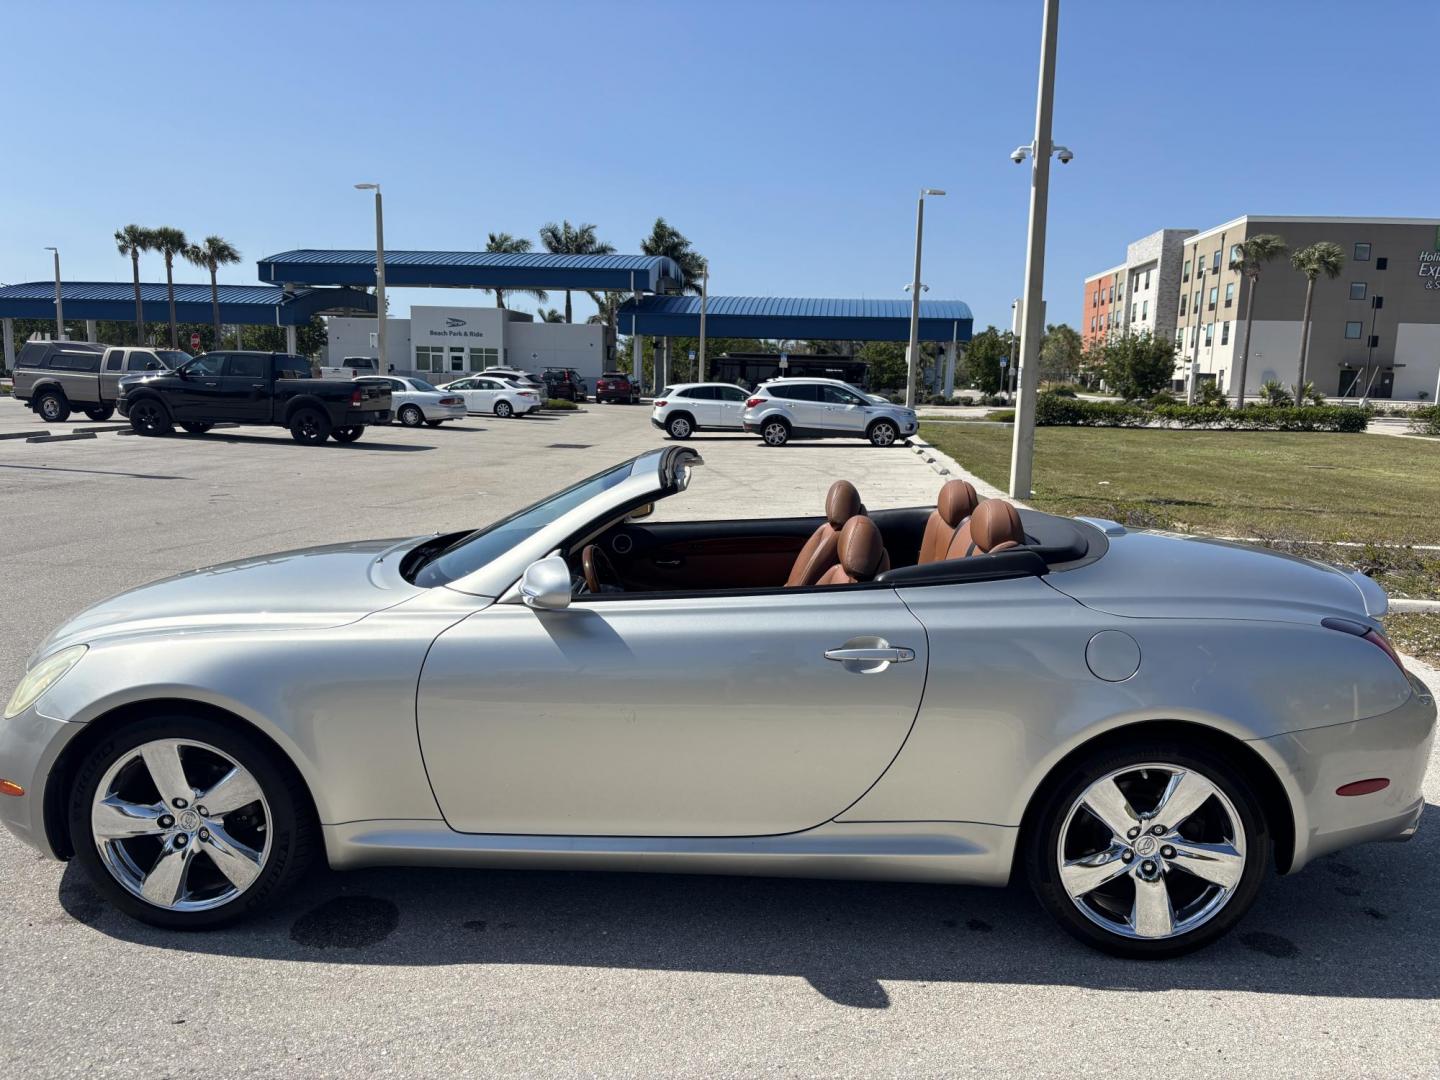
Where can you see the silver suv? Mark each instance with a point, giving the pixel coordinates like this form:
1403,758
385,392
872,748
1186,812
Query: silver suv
785,409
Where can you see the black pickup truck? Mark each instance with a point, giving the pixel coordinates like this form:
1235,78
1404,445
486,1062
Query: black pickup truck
253,388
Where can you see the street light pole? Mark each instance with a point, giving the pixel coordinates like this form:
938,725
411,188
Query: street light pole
59,303
704,299
379,274
1022,456
913,359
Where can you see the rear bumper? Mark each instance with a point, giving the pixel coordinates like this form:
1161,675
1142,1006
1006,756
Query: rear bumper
1314,763
446,412
364,417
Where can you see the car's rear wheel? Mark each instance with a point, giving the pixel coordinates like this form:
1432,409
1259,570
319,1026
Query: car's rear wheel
310,426
411,416
52,406
679,427
503,410
775,432
197,428
1149,852
148,417
883,433
100,412
347,434
185,822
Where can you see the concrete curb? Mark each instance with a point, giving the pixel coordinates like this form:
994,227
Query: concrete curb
948,467
1402,606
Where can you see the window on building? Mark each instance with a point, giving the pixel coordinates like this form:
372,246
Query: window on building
1225,332
1092,324
430,358
1183,298
1377,302
1134,314
1381,262
1236,253
1196,304
1354,329
1145,309
1374,341
1229,294
1095,298
1147,279
1214,295
1180,338
480,359
1209,334
374,340
1216,264
1119,290
1357,290
1362,252
1185,271
1111,300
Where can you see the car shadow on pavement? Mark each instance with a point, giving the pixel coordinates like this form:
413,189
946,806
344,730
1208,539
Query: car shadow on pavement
1364,923
278,440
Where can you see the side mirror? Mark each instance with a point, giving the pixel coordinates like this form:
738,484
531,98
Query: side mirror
546,584
641,512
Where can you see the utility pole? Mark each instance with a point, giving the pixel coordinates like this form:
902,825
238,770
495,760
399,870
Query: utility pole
913,357
1022,456
379,274
59,301
704,297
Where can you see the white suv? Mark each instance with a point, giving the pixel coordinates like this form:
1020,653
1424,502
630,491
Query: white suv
685,408
783,409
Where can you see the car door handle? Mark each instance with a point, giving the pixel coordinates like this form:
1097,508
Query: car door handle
257,386
668,562
893,655
210,384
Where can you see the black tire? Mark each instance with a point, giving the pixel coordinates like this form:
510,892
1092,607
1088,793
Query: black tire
309,426
196,427
347,434
99,413
433,423
410,415
504,410
775,432
148,417
680,426
52,406
1044,826
884,433
293,831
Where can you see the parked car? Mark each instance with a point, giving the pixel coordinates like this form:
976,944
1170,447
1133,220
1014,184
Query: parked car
414,401
685,408
253,388
58,377
563,383
516,377
352,367
785,409
492,394
616,386
570,687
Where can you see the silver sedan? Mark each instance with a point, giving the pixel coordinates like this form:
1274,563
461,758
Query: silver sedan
1144,726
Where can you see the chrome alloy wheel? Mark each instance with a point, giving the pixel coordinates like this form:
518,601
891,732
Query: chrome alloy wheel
775,433
181,825
1151,851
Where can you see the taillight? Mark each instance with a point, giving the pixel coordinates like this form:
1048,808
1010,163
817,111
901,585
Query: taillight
1368,633
661,404
355,396
452,401
753,402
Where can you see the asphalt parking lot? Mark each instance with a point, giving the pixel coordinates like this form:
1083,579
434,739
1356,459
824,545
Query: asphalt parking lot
429,972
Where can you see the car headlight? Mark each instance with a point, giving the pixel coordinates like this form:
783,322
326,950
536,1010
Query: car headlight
42,677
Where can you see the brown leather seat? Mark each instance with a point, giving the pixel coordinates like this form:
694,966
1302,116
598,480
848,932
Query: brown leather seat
862,554
994,526
821,551
957,502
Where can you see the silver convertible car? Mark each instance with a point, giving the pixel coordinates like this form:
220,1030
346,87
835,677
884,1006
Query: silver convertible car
1142,725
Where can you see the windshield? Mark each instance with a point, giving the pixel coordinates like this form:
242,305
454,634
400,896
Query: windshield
421,384
473,551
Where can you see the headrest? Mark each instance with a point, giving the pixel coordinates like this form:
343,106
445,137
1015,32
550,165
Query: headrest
957,501
842,503
996,522
861,548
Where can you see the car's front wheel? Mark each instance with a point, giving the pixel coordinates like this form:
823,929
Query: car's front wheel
186,822
1149,852
148,417
883,433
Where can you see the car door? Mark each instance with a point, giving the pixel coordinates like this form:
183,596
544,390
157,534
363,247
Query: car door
199,392
711,715
246,388
730,406
700,400
806,410
845,413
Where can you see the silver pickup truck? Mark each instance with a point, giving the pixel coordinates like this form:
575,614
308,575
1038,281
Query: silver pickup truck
58,377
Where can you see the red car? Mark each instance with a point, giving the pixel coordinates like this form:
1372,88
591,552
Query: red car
616,386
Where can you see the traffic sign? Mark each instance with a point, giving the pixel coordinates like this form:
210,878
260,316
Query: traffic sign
1004,361
194,341
692,354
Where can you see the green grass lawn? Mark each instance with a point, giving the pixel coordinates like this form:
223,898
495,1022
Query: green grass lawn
1278,486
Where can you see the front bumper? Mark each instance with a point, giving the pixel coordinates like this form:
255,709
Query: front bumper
1314,763
30,744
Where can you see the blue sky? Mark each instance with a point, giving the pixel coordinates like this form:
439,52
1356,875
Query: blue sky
787,139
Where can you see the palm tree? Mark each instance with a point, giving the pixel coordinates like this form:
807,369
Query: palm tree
170,242
1254,254
567,239
505,244
1319,258
665,239
551,315
214,253
131,241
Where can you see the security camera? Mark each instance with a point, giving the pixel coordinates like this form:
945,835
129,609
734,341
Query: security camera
1019,154
1065,154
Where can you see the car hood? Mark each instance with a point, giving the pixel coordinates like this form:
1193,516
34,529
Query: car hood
308,588
1166,575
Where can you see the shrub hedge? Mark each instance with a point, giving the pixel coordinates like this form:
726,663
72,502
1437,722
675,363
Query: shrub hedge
1426,420
1064,412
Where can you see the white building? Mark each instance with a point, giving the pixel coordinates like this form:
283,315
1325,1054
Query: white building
443,343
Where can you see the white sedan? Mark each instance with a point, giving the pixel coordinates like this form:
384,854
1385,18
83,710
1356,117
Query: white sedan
492,394
414,401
